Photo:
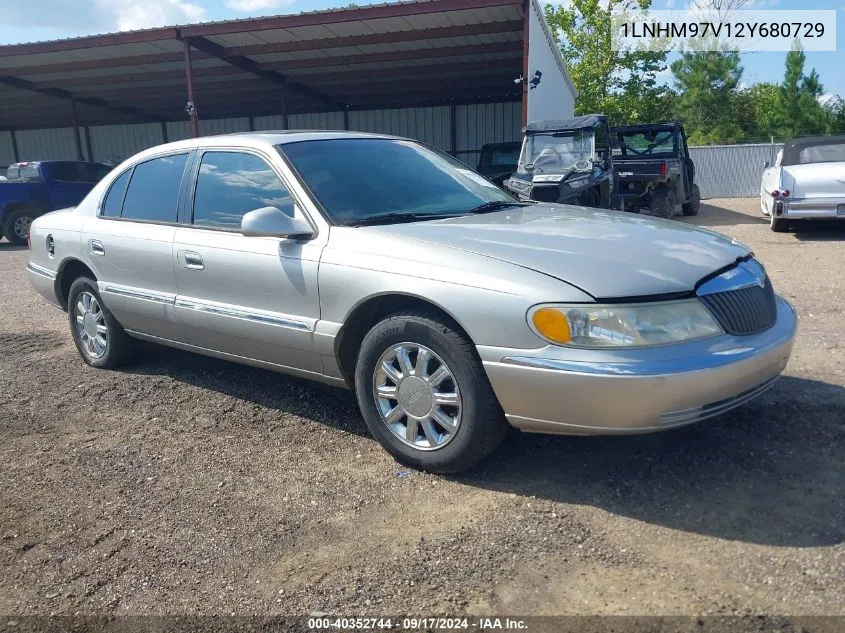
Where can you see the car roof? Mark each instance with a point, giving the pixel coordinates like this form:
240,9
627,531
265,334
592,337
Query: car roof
256,140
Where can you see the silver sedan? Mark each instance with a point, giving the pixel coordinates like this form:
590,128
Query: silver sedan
386,266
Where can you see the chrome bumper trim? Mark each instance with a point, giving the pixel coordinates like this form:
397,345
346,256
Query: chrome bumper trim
41,271
649,368
696,414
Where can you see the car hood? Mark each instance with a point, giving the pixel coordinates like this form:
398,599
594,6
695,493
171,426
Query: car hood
608,254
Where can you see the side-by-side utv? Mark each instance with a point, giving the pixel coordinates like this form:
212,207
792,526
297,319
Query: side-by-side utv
566,160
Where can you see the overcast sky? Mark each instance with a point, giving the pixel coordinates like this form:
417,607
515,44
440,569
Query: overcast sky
38,20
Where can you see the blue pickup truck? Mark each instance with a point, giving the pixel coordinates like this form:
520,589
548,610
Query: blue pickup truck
34,188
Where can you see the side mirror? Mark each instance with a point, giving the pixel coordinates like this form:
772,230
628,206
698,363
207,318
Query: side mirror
766,165
271,222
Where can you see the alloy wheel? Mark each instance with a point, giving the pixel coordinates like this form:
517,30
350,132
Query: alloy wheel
91,325
417,396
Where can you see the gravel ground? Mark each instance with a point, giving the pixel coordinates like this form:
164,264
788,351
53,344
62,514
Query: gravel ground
186,485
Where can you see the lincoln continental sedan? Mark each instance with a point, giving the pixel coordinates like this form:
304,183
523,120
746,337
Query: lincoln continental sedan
387,267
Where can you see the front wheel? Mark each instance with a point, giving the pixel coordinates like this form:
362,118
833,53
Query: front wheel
425,396
16,226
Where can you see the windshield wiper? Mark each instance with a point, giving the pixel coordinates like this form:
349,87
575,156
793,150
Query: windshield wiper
396,217
494,205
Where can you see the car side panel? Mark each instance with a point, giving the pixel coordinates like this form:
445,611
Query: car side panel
133,263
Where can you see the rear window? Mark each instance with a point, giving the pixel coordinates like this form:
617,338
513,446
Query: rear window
833,153
114,198
500,156
153,192
24,173
65,172
93,172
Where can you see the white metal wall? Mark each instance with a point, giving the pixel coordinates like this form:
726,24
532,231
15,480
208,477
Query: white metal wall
554,96
7,152
430,125
476,125
118,142
55,144
482,123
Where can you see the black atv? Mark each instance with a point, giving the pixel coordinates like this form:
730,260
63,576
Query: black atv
654,170
566,161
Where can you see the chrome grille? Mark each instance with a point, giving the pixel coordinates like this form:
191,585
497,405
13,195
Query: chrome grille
745,310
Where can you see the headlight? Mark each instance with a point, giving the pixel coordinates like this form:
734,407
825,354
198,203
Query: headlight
517,185
640,325
547,178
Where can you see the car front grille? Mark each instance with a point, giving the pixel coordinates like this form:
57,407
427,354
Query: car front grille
745,310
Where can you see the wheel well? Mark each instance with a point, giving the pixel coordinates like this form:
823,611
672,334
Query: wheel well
69,273
370,312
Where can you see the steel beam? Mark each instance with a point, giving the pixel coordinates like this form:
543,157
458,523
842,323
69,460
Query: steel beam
247,65
189,83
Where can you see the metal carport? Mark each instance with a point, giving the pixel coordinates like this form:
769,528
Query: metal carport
443,71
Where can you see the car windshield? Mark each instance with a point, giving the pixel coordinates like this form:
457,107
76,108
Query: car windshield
358,178
557,152
652,143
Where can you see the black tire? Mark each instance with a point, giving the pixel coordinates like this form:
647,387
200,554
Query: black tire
482,424
778,225
10,229
119,346
691,207
662,203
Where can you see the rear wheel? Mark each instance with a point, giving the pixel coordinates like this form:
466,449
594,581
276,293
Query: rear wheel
691,207
662,203
424,394
16,225
99,338
778,225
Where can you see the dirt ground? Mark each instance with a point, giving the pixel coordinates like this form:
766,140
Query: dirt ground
185,485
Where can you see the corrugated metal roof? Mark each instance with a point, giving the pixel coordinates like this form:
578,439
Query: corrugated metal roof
141,73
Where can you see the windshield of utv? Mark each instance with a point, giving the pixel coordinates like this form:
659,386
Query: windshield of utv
647,143
556,152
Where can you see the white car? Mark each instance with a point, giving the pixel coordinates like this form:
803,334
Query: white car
807,181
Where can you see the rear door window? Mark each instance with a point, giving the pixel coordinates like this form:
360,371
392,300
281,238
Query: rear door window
114,198
153,192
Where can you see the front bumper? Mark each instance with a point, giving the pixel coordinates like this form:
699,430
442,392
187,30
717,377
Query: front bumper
596,392
813,208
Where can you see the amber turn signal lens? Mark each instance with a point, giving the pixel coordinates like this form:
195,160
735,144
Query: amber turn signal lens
552,324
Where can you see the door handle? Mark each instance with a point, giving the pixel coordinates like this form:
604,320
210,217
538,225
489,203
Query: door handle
191,260
95,247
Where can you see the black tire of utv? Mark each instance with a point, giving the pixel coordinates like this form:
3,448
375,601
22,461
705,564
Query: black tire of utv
483,425
120,348
778,225
662,203
692,207
9,226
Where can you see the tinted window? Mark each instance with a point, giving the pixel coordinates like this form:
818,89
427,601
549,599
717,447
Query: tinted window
92,172
154,189
501,156
358,178
114,198
231,184
66,172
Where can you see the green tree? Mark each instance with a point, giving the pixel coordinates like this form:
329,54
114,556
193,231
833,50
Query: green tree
755,111
706,84
798,109
622,84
